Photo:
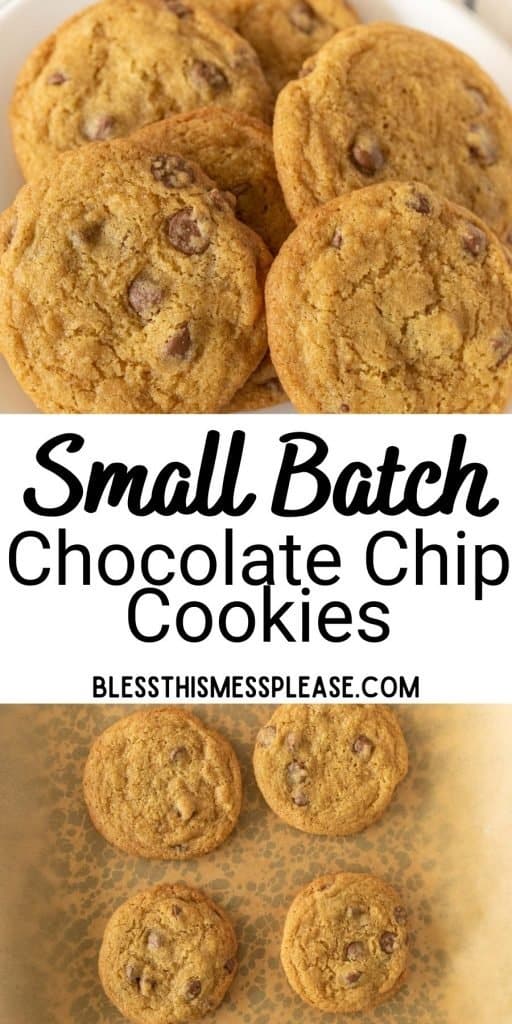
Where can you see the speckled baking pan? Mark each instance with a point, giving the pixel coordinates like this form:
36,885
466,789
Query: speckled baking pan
445,843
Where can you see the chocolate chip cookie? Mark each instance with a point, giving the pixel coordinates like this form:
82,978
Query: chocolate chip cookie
284,33
330,770
344,945
159,784
127,285
391,299
262,390
122,64
384,102
168,956
236,152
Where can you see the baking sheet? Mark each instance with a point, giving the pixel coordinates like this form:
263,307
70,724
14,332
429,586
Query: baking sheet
446,843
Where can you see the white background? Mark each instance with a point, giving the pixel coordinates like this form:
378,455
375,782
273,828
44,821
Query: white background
54,639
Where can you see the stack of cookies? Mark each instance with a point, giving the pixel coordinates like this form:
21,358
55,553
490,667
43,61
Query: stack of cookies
160,784
133,264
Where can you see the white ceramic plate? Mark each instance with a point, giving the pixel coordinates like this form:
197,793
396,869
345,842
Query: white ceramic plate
23,23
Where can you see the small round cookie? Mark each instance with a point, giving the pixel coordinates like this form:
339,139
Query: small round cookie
129,286
262,390
236,152
284,33
168,956
159,784
384,102
121,64
392,300
344,944
330,770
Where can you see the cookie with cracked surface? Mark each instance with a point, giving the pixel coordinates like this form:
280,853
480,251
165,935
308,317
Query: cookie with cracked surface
385,102
236,152
262,390
122,64
284,33
330,770
159,784
129,286
168,956
392,299
344,945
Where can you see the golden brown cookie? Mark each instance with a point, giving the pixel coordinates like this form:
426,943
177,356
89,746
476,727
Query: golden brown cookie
128,285
262,390
384,102
394,300
344,944
330,770
236,152
284,33
122,64
159,784
168,956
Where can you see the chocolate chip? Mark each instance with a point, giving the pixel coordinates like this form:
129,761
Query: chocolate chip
221,200
356,913
478,98
154,940
187,234
337,239
303,17
300,799
387,942
267,736
474,240
99,128
176,910
296,773
363,747
145,297
132,973
354,951
482,144
292,740
420,203
400,914
172,171
57,78
193,988
503,348
367,153
178,754
344,407
10,233
353,977
146,983
178,345
230,965
204,72
176,7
